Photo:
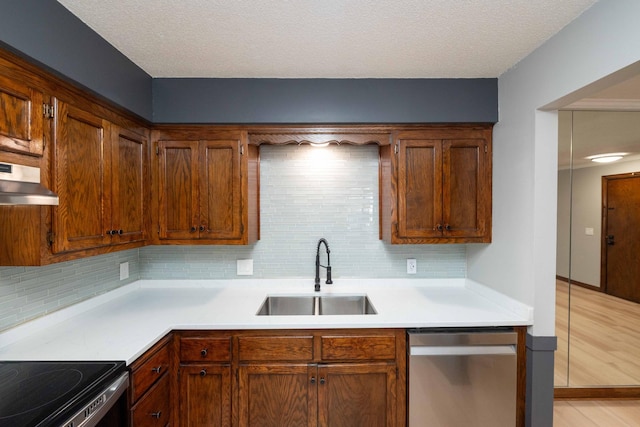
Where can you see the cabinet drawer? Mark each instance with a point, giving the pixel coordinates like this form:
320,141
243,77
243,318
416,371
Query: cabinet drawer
149,372
154,408
202,349
358,347
276,348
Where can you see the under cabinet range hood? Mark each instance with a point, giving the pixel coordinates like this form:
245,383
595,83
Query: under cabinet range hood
20,185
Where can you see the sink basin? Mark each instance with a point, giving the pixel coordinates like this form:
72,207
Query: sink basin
312,305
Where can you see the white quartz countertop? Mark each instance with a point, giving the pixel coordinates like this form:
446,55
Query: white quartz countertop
123,324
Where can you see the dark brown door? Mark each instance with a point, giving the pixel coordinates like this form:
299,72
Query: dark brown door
621,232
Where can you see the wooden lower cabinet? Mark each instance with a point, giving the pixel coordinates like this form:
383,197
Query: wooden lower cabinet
205,395
294,378
150,394
283,395
357,395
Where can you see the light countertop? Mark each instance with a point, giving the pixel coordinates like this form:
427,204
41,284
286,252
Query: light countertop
124,323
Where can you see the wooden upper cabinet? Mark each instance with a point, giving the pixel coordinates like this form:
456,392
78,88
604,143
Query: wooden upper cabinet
207,189
80,169
220,190
128,183
21,117
178,189
99,172
436,186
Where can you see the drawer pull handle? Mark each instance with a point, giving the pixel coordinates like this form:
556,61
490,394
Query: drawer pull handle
156,414
203,352
156,370
203,373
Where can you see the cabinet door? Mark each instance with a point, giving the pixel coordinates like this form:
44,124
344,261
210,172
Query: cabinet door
357,395
128,175
220,190
21,117
466,200
178,187
81,165
419,187
205,395
278,395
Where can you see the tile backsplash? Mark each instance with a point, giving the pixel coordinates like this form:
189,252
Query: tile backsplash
30,292
305,193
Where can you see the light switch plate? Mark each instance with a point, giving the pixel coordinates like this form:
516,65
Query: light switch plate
244,267
124,270
412,266
588,231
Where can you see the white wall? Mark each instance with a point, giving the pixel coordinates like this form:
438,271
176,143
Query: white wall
521,261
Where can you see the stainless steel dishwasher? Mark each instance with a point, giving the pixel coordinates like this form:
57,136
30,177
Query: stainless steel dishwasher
462,378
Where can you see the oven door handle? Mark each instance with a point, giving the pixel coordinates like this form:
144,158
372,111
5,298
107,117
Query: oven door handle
91,414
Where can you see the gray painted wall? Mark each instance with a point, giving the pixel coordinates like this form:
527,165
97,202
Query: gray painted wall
45,32
324,100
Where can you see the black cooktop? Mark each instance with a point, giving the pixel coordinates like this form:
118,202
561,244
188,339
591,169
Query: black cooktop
47,393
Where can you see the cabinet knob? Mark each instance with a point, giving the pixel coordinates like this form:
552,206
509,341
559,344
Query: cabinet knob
120,232
447,227
193,229
322,380
439,227
204,352
156,370
156,414
202,228
203,372
313,380
109,232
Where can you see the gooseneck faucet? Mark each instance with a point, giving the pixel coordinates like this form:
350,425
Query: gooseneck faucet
328,266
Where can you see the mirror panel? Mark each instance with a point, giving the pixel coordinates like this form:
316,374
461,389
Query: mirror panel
603,341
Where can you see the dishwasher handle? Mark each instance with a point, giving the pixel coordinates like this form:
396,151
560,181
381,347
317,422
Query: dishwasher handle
466,350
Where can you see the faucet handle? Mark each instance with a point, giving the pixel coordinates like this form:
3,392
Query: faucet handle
329,281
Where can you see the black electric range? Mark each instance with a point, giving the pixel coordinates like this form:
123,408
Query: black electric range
58,393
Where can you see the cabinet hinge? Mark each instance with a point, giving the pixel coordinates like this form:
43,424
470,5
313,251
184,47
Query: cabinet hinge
486,149
157,151
48,111
241,150
50,238
396,149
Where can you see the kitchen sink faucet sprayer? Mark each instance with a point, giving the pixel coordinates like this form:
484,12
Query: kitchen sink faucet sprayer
328,266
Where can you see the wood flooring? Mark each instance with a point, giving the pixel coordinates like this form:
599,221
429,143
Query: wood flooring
596,413
604,340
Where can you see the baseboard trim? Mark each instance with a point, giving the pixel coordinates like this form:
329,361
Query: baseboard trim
571,393
582,285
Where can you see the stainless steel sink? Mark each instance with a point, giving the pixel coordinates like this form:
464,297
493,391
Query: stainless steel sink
312,305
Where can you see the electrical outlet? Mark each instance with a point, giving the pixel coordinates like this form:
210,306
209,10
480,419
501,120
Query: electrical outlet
412,266
124,270
244,267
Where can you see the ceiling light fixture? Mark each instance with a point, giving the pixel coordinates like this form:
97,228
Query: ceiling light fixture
606,158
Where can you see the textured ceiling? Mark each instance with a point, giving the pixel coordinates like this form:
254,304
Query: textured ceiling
326,38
